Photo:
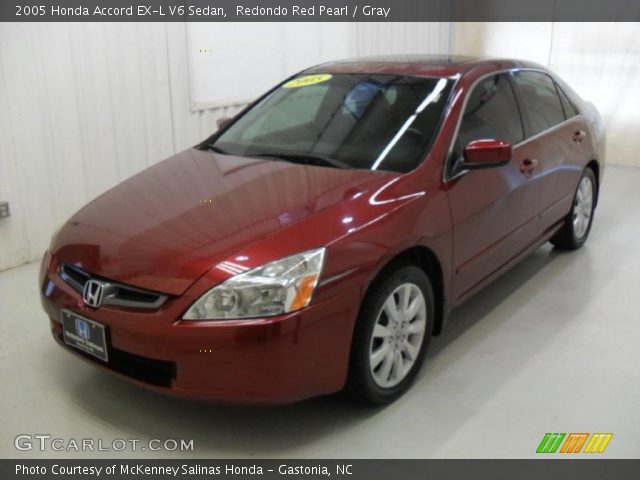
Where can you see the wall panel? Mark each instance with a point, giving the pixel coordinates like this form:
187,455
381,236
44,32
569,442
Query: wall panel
601,61
399,38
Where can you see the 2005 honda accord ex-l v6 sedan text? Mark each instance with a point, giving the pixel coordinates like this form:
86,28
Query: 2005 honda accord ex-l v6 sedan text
319,239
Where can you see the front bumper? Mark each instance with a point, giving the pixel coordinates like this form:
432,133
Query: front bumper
276,360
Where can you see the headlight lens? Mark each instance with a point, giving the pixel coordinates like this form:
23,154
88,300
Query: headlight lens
278,287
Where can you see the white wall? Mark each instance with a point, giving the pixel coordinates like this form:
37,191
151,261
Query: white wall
227,68
84,106
601,61
399,38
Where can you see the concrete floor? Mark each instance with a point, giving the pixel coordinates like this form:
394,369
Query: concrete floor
552,346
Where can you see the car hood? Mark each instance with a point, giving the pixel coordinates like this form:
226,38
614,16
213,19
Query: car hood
165,227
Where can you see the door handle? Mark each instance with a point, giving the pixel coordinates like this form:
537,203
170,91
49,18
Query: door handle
579,135
528,166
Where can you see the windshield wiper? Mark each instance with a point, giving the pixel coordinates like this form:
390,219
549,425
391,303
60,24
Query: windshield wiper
305,159
212,148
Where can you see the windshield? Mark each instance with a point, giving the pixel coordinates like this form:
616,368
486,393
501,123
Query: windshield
364,121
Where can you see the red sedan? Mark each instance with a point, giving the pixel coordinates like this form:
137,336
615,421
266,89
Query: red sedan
319,239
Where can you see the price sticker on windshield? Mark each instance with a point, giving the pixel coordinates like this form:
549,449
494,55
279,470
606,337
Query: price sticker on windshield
307,80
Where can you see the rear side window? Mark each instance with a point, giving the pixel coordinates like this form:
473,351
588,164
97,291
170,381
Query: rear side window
541,100
567,106
491,112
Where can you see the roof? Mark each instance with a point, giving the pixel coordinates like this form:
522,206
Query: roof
421,65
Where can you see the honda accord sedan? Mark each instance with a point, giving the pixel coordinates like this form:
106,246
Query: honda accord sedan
320,238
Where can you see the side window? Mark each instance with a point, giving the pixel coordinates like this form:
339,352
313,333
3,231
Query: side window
567,106
491,112
541,100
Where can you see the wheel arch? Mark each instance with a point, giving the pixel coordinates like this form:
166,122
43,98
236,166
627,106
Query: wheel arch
426,259
595,166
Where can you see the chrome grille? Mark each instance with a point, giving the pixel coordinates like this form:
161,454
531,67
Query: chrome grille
117,294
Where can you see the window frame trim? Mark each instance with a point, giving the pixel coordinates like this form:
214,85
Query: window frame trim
562,93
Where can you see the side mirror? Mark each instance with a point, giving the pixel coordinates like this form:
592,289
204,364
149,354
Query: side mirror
223,122
486,153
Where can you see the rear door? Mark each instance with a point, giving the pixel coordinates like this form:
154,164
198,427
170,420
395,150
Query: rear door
494,210
556,137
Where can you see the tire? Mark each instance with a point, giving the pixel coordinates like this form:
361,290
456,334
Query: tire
577,225
383,383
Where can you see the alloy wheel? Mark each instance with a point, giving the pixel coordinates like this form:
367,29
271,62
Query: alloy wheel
397,335
583,207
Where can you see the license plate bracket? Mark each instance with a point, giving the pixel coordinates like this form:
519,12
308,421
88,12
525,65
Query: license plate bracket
84,334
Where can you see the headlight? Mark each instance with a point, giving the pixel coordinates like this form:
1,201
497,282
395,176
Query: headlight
278,287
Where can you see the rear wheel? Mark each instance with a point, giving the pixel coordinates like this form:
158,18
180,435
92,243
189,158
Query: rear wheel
577,225
391,336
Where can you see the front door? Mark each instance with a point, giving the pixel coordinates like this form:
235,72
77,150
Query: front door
494,210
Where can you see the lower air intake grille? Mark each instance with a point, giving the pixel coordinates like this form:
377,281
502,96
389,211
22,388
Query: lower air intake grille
148,370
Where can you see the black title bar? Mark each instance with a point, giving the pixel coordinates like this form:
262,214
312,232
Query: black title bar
319,10
287,469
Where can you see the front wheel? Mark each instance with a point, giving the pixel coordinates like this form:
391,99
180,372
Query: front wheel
577,225
391,336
